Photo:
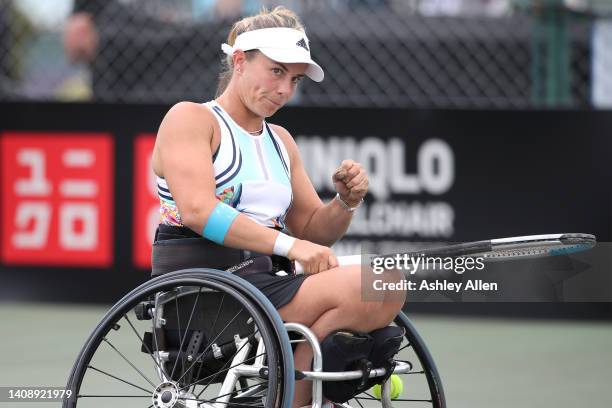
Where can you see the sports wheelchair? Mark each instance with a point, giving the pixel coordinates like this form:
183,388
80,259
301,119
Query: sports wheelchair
205,338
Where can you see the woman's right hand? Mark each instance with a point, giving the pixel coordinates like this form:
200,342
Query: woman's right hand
312,257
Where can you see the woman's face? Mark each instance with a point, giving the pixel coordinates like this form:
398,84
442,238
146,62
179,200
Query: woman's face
265,85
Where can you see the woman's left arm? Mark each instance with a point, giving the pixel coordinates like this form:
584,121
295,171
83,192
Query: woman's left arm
308,217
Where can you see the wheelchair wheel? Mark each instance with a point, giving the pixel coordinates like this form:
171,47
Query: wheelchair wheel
192,338
422,386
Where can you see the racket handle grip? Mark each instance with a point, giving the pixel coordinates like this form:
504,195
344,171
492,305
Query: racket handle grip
345,260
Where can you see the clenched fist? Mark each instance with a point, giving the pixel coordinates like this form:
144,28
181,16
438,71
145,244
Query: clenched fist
351,182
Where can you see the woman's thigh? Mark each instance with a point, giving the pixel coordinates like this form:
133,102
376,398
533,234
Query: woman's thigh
321,292
336,287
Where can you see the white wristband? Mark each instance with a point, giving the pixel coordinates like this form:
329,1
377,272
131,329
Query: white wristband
283,244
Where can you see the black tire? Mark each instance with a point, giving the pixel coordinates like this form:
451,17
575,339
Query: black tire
111,339
426,361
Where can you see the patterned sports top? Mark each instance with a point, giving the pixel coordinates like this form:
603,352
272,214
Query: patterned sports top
252,174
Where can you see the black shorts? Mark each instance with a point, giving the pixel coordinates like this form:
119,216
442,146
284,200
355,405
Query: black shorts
279,289
178,248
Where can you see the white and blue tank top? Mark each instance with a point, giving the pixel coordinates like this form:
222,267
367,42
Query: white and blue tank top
252,174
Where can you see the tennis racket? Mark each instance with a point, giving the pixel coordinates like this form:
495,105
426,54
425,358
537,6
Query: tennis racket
502,249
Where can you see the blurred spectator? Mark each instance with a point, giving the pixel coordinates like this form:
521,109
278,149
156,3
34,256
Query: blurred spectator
488,8
81,37
136,48
224,9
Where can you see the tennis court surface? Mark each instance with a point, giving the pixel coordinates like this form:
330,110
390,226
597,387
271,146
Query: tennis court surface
506,363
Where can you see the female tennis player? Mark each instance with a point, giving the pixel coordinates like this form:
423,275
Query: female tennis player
224,173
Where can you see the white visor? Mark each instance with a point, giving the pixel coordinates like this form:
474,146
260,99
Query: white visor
280,44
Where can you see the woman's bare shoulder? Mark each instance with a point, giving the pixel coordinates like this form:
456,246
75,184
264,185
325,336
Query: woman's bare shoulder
187,118
184,126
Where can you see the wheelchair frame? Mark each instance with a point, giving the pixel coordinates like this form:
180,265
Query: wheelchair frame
272,330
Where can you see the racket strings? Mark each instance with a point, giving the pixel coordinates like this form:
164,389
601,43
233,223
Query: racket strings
535,251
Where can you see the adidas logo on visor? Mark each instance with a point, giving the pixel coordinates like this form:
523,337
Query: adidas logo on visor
302,43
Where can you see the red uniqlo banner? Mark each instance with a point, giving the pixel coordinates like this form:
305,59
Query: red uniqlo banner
146,201
57,199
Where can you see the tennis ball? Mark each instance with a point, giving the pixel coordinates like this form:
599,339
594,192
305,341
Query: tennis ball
397,386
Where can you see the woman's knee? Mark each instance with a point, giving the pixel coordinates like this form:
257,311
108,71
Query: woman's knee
391,309
366,316
386,312
389,294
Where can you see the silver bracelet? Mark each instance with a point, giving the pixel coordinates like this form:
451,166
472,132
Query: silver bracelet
345,205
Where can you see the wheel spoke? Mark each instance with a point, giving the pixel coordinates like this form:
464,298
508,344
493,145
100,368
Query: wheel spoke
113,396
128,361
357,401
178,322
230,393
119,379
368,394
406,346
145,344
224,395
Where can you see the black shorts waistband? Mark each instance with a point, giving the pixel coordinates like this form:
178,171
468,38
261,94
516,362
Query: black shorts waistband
177,247
165,232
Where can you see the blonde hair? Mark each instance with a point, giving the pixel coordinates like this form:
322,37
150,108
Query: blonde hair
279,17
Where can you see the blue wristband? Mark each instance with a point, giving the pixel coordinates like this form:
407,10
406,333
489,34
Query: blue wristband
219,222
